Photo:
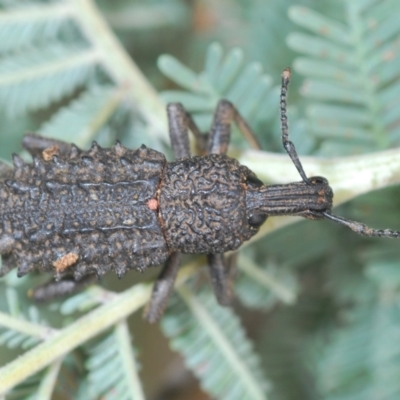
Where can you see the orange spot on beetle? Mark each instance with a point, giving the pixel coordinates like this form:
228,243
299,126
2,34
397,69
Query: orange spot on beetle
152,204
65,261
50,152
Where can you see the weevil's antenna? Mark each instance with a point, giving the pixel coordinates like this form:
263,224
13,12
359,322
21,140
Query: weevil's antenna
287,144
362,229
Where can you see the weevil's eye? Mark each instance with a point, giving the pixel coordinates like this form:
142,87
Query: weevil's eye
254,182
257,219
318,180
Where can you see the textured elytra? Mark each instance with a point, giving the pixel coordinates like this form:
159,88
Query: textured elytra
203,204
90,206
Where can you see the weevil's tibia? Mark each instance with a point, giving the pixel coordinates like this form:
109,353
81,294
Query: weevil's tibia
64,287
220,131
221,274
162,289
179,122
287,144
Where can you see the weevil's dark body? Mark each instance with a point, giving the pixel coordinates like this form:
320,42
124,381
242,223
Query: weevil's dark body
83,213
92,204
95,205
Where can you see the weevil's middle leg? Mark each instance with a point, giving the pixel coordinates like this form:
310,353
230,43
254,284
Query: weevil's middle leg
221,275
162,289
220,132
56,289
179,122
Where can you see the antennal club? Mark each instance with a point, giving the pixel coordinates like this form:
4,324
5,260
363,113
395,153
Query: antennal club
355,226
287,144
362,229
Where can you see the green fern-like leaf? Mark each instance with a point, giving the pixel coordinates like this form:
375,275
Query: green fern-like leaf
361,361
112,368
223,77
49,73
352,75
214,346
35,23
263,286
81,120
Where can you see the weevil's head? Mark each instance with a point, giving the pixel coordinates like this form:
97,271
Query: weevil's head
309,199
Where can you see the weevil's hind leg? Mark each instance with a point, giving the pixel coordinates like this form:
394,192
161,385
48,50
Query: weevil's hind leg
57,289
220,132
287,144
222,274
179,122
38,145
162,289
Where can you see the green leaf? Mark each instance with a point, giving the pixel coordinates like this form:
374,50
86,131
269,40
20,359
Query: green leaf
320,24
262,287
214,346
51,73
222,78
352,63
112,367
21,27
80,121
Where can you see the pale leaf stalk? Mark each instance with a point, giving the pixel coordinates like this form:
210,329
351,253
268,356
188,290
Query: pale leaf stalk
128,358
49,381
120,66
86,327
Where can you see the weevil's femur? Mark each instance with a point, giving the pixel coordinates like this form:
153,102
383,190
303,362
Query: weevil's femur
299,198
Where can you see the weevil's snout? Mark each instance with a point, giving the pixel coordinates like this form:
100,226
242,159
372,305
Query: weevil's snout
310,199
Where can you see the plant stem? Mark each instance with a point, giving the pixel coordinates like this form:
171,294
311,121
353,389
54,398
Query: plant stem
86,327
120,66
131,368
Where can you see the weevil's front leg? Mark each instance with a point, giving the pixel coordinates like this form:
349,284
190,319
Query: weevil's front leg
56,289
179,122
221,278
220,132
162,289
45,147
226,113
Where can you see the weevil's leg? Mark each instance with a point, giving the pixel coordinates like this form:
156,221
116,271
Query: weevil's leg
162,289
221,274
287,144
220,132
64,287
179,122
38,145
362,229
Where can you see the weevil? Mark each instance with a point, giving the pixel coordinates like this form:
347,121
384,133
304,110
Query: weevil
80,214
